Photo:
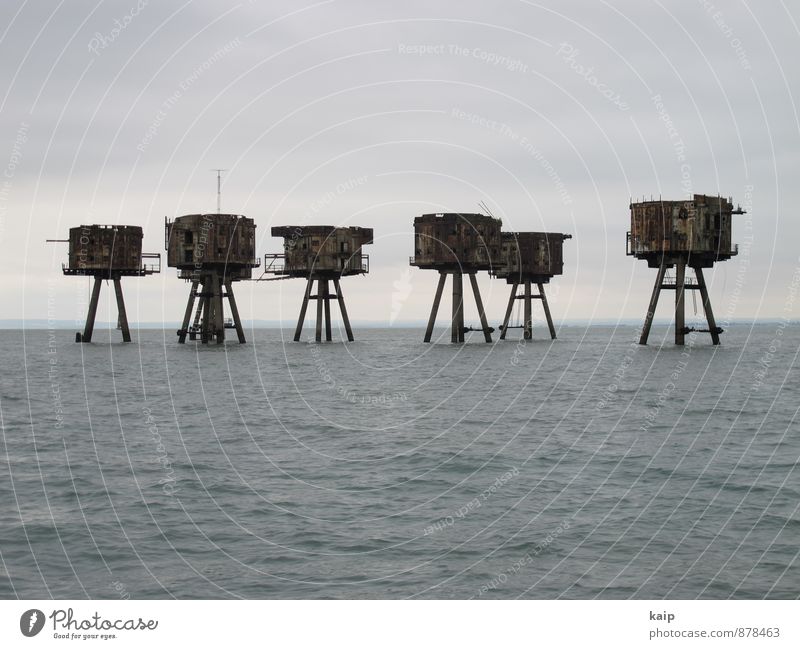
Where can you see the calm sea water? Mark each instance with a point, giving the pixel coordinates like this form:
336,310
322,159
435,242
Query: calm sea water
386,468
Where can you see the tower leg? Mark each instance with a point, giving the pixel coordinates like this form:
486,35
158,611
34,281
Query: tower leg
528,330
326,296
511,301
457,324
299,329
90,316
712,323
219,320
205,330
123,316
343,310
680,292
435,308
547,311
318,333
188,313
651,310
234,311
199,313
487,336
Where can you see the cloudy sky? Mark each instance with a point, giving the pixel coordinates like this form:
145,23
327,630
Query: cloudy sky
350,112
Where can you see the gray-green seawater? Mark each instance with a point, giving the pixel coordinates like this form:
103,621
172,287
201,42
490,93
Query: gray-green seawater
387,468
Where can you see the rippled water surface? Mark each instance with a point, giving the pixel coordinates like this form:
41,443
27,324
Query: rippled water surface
387,468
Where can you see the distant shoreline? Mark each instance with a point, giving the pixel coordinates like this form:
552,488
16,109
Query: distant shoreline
36,324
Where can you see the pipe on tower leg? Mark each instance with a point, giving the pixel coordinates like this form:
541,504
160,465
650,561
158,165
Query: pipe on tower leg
318,333
651,309
435,308
528,330
88,328
457,324
712,323
237,321
326,296
303,308
188,313
487,336
509,309
122,315
547,311
343,310
680,292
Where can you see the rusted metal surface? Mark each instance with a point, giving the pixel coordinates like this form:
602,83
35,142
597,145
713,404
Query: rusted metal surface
470,242
212,251
689,234
320,250
321,254
225,242
106,250
535,256
666,231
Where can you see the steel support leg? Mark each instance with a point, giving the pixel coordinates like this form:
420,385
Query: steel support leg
547,311
205,330
680,292
318,333
651,310
487,336
237,321
303,308
219,314
434,310
343,310
712,323
528,330
509,310
88,328
122,318
326,295
188,313
199,313
457,325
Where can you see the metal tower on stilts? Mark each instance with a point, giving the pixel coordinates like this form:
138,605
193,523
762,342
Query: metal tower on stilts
108,252
322,254
691,234
457,244
527,259
212,251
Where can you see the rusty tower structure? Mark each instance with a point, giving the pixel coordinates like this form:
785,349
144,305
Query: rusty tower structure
683,234
455,244
212,251
322,254
108,252
528,258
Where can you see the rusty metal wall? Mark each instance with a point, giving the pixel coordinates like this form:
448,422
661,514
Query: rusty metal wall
202,240
469,241
698,226
323,249
105,248
531,254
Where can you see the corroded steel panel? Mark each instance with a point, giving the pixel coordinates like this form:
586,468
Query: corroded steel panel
701,227
467,241
198,241
323,249
531,255
106,248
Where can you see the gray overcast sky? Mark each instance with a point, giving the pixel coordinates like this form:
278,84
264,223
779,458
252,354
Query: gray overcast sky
370,113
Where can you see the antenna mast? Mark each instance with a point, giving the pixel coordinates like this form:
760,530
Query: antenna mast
219,188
